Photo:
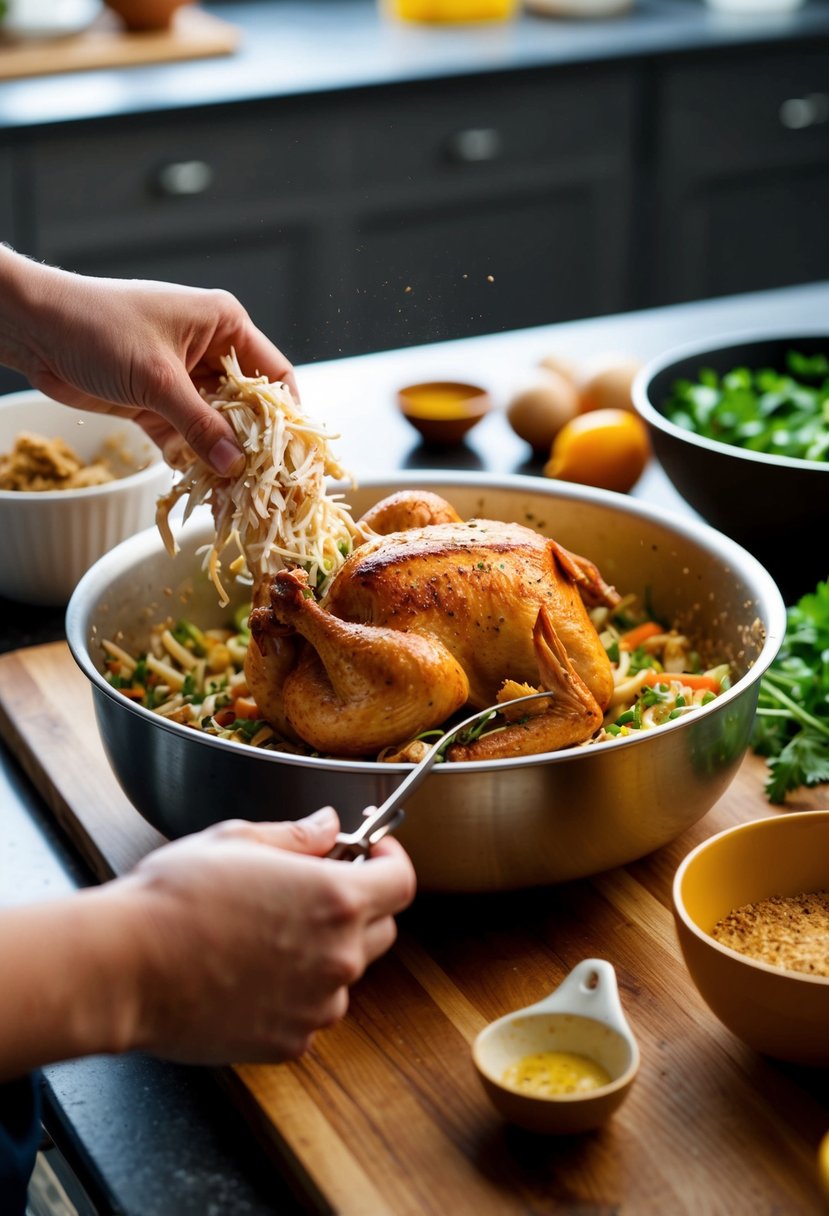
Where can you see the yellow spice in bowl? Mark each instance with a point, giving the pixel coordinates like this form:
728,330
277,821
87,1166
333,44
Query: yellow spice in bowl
546,1074
789,931
441,400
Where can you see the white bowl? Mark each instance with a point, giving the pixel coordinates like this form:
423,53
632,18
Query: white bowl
50,538
583,1015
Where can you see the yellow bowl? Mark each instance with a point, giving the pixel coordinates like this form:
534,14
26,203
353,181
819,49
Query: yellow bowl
451,11
443,410
780,1013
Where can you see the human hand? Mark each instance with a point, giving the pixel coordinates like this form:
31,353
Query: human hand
249,937
137,349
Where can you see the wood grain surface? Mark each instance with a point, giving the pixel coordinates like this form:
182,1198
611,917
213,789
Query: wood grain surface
193,34
386,1115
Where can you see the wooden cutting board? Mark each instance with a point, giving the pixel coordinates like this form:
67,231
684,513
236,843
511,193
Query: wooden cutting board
386,1115
193,34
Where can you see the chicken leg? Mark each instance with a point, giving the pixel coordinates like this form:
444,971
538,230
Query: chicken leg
360,688
573,716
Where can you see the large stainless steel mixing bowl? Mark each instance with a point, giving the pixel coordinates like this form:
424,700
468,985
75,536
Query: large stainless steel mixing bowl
486,825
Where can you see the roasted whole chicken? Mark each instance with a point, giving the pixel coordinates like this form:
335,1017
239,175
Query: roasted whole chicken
430,614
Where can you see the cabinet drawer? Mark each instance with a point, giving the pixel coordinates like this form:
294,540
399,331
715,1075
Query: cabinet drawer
740,113
269,273
466,126
747,232
176,174
428,274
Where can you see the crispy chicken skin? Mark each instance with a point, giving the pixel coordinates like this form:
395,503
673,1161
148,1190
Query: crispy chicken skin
268,663
428,618
408,509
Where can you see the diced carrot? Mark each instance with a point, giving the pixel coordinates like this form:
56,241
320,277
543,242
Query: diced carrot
134,694
635,637
683,677
225,717
246,707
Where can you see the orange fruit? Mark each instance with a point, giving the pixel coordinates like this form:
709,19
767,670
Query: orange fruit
605,448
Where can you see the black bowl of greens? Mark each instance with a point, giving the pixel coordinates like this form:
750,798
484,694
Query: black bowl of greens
742,431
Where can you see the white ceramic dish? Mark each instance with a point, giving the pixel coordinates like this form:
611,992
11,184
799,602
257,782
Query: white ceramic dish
578,8
29,20
583,1015
49,539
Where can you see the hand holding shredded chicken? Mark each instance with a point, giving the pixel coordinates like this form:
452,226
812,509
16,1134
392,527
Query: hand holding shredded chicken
277,510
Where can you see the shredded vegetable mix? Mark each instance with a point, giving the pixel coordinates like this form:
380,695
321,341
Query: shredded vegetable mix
657,673
277,512
196,677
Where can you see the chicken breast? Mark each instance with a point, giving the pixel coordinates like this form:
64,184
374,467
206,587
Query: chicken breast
429,618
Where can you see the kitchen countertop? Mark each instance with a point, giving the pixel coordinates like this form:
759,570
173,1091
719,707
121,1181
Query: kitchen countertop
155,1139
294,47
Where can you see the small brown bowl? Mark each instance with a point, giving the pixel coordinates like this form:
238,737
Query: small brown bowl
443,410
145,15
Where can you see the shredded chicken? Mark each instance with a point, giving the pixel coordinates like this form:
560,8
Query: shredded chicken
277,511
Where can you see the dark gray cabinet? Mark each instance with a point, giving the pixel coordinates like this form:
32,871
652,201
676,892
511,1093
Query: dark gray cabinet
742,174
241,199
382,218
492,206
7,228
404,213
10,233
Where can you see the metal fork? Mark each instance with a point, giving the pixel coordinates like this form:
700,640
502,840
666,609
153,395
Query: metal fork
356,846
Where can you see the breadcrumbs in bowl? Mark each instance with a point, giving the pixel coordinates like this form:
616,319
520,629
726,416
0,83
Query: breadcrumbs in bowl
751,906
72,486
789,931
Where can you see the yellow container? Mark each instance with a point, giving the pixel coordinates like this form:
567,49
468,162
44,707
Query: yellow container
449,11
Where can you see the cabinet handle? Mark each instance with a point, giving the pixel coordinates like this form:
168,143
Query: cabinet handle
184,177
474,145
809,111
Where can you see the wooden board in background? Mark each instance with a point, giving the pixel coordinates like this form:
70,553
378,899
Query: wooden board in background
385,1115
193,34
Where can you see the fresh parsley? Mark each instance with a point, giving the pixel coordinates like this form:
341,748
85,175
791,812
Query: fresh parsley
792,724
